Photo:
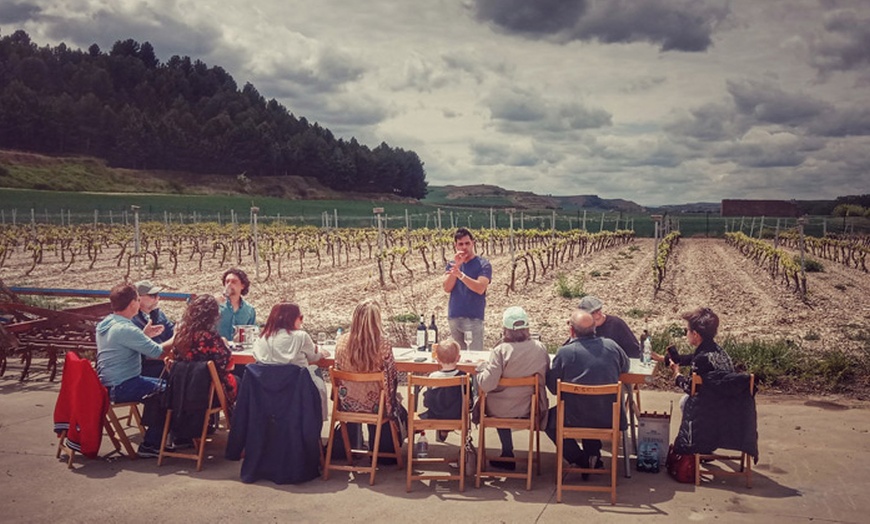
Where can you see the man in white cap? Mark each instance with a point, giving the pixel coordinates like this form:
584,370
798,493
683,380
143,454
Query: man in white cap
611,326
519,355
151,319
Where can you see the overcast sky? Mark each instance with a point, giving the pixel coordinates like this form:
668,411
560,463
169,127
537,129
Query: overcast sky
655,101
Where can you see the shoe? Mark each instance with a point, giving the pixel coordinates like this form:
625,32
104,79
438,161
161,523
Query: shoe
592,462
504,464
181,444
148,451
441,435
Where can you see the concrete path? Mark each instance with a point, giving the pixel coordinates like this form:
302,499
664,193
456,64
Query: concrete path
812,468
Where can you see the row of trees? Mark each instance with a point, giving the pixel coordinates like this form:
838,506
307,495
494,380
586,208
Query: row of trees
136,112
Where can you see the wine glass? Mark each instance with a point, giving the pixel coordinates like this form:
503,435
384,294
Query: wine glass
321,339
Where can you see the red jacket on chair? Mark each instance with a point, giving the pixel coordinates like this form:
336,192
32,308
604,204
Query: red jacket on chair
81,406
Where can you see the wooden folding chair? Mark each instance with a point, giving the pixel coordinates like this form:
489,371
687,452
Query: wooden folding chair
743,468
341,418
611,434
117,427
218,404
416,423
530,424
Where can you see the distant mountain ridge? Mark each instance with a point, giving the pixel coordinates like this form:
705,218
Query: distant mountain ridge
482,195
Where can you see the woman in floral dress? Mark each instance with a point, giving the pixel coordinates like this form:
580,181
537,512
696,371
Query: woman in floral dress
197,340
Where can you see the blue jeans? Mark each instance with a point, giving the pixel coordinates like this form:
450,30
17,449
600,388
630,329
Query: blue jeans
458,327
134,390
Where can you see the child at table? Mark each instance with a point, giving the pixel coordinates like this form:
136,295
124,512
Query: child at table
444,402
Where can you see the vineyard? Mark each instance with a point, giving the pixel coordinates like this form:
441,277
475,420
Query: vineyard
327,271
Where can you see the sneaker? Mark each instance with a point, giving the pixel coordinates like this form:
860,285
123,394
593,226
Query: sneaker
504,464
146,451
181,444
441,435
149,451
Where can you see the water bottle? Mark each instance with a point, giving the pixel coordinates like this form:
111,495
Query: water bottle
422,446
647,352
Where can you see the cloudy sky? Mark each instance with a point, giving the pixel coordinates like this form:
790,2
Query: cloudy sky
655,101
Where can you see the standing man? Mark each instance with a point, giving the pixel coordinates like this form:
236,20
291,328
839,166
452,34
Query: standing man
120,346
611,326
467,277
161,329
592,361
235,311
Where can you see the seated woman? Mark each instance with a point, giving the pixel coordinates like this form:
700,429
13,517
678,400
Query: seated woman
365,349
197,340
282,341
517,356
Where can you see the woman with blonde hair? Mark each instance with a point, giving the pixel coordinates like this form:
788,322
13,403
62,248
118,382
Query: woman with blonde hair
365,349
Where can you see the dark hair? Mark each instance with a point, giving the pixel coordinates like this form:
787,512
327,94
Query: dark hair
121,295
703,322
201,315
462,232
516,335
246,282
283,316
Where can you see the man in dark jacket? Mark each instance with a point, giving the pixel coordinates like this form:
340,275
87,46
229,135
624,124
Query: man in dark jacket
154,322
592,361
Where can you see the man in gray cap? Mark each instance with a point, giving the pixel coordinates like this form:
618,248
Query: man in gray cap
150,319
611,326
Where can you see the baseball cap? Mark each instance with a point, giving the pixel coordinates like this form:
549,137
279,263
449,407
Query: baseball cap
590,304
515,318
145,287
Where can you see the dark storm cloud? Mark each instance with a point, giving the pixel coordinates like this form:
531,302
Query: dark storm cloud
522,112
843,122
674,25
17,12
539,17
770,104
708,123
490,154
845,45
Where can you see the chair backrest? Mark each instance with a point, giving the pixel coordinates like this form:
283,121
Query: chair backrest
569,388
338,378
530,381
697,381
417,381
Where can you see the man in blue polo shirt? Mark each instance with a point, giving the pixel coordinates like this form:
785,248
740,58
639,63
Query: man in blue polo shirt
467,277
120,347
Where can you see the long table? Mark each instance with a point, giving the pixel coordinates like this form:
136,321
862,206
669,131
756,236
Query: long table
414,361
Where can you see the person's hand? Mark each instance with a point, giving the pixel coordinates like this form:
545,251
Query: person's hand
325,353
675,368
151,330
655,356
459,258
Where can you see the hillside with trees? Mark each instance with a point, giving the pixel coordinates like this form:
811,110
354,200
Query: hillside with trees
134,111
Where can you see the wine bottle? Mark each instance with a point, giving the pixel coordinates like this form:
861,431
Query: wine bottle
421,335
432,334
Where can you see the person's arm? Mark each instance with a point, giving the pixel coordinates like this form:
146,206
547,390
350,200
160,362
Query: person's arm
309,349
391,378
554,373
489,372
477,285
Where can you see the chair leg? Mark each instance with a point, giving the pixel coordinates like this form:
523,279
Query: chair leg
375,451
530,460
120,434
481,454
697,469
328,459
164,437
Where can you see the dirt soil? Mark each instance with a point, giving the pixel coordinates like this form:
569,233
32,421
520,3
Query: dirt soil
702,272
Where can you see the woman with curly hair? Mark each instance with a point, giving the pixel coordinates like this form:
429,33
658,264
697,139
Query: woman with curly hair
198,340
